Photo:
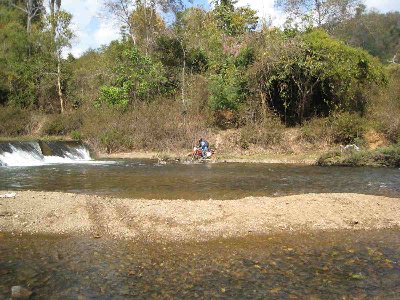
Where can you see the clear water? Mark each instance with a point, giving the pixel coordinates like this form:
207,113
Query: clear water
147,179
355,265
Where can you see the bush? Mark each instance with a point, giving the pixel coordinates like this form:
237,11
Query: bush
348,127
264,134
112,140
76,135
63,124
384,107
313,74
159,126
14,121
317,130
385,157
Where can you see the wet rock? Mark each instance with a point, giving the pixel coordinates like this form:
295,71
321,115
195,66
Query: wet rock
19,292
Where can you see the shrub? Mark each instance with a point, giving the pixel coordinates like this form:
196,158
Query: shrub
264,134
114,96
317,130
313,74
348,127
384,107
112,140
14,121
76,135
387,157
157,126
227,91
62,124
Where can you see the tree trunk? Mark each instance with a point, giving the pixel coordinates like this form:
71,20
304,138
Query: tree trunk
52,17
60,93
28,24
29,10
318,10
183,76
263,104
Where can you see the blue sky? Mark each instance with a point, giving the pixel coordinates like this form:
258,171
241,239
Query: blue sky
93,30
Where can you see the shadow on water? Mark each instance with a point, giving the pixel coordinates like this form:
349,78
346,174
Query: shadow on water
147,179
360,265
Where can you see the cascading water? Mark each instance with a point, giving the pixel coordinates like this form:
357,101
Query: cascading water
42,153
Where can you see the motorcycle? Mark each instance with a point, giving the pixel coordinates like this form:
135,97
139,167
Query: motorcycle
197,153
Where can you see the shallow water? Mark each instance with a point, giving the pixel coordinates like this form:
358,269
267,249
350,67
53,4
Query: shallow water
147,179
328,266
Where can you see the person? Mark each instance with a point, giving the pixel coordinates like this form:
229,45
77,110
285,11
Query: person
203,145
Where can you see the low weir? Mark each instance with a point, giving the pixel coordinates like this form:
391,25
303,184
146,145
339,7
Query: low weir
36,153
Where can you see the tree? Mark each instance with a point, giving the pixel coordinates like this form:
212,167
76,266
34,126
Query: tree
136,77
313,74
376,32
234,21
32,9
148,25
63,36
319,12
123,10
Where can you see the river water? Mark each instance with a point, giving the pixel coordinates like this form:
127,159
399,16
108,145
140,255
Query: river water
355,265
147,179
345,265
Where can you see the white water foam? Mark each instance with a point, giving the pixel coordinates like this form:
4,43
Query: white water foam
24,158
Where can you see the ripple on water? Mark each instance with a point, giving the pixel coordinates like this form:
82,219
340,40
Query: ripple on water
332,265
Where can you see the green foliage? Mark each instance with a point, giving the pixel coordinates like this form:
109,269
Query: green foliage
312,74
228,89
112,140
114,96
245,57
348,127
378,33
76,135
28,59
137,77
197,60
235,21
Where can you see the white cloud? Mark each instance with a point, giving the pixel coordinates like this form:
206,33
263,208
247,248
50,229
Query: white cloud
91,31
106,33
266,10
384,5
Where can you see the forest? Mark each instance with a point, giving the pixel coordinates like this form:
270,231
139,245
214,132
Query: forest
331,74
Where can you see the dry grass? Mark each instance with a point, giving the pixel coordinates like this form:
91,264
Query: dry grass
160,126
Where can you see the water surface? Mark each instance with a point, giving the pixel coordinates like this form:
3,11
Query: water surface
355,265
147,179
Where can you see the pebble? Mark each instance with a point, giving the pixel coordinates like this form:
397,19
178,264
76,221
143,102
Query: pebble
19,292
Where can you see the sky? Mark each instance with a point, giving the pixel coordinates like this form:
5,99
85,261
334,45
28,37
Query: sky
92,29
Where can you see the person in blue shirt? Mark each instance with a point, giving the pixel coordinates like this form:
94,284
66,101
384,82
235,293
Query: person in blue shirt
203,145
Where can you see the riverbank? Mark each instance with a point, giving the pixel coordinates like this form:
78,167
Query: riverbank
381,157
183,220
309,158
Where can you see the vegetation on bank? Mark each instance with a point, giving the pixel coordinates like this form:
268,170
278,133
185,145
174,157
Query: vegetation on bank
382,157
161,87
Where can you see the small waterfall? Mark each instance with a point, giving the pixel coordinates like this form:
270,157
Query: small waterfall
42,153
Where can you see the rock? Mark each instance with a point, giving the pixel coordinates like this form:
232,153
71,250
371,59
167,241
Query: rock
9,195
19,292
